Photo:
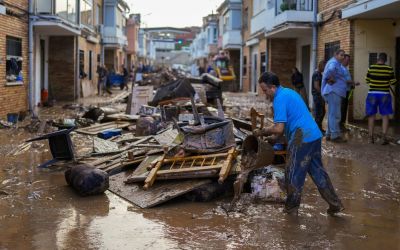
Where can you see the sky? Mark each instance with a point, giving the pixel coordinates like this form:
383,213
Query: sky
174,13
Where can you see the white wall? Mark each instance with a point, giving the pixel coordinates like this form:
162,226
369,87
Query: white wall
370,36
303,41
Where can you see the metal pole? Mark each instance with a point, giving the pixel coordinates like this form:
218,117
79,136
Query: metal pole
314,44
31,65
241,69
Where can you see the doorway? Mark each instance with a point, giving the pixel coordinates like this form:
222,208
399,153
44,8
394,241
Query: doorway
305,67
254,69
397,90
42,63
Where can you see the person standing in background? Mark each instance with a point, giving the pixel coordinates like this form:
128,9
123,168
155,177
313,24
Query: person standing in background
319,103
379,78
334,87
298,84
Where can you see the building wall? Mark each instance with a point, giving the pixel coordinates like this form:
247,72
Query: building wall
246,70
281,58
96,51
13,98
62,68
247,4
371,36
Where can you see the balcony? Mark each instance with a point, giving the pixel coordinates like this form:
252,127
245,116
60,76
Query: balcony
372,9
232,39
293,11
114,37
258,22
56,17
292,19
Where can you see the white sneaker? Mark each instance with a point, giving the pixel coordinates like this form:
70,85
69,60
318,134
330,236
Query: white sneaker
398,142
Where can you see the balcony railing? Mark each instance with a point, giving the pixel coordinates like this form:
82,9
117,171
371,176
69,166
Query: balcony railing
66,9
294,5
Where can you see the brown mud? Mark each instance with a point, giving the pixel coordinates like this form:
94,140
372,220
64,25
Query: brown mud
39,211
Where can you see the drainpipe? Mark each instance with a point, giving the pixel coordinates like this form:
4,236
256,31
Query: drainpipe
31,68
77,79
314,42
241,69
102,31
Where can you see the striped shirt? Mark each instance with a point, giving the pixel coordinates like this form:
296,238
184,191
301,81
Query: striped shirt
379,78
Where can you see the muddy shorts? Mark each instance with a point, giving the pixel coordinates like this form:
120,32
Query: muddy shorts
381,101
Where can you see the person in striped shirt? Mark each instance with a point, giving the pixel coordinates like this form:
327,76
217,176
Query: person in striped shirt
379,78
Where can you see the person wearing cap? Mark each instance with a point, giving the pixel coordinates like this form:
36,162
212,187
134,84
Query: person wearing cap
292,118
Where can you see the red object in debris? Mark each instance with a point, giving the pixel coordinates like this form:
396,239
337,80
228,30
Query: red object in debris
44,96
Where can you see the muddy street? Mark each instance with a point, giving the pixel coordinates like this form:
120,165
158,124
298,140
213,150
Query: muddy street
39,211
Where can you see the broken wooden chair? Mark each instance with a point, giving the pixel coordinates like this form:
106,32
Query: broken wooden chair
201,166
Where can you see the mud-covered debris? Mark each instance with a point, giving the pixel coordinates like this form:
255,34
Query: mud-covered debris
87,180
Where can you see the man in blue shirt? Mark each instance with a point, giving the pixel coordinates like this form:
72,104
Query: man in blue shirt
292,117
334,88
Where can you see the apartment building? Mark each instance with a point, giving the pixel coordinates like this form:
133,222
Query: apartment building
66,48
230,34
205,45
14,81
114,39
132,33
277,36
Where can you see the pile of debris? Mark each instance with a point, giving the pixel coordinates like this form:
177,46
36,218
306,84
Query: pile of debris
166,143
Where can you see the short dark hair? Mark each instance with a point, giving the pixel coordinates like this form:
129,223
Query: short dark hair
337,52
269,78
382,57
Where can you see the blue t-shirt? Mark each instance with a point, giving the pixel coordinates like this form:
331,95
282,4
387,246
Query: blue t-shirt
290,109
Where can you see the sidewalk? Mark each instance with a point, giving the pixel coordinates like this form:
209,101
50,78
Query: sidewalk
393,131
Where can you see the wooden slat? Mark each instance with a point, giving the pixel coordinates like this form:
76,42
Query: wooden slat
226,168
187,170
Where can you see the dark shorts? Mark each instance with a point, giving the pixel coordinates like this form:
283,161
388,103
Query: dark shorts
381,101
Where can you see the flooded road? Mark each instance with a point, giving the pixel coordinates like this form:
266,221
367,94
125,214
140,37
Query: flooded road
39,211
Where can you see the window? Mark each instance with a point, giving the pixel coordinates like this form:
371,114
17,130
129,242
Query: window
246,19
330,49
119,19
263,63
258,6
98,20
110,16
90,64
67,9
373,58
244,65
14,59
82,73
87,12
226,22
215,35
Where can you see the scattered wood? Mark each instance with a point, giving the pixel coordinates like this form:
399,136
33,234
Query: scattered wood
97,128
159,193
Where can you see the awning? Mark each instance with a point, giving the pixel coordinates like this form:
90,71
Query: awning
373,9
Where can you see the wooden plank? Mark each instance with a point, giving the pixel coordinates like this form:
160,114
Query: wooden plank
241,124
159,193
187,170
97,128
226,168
